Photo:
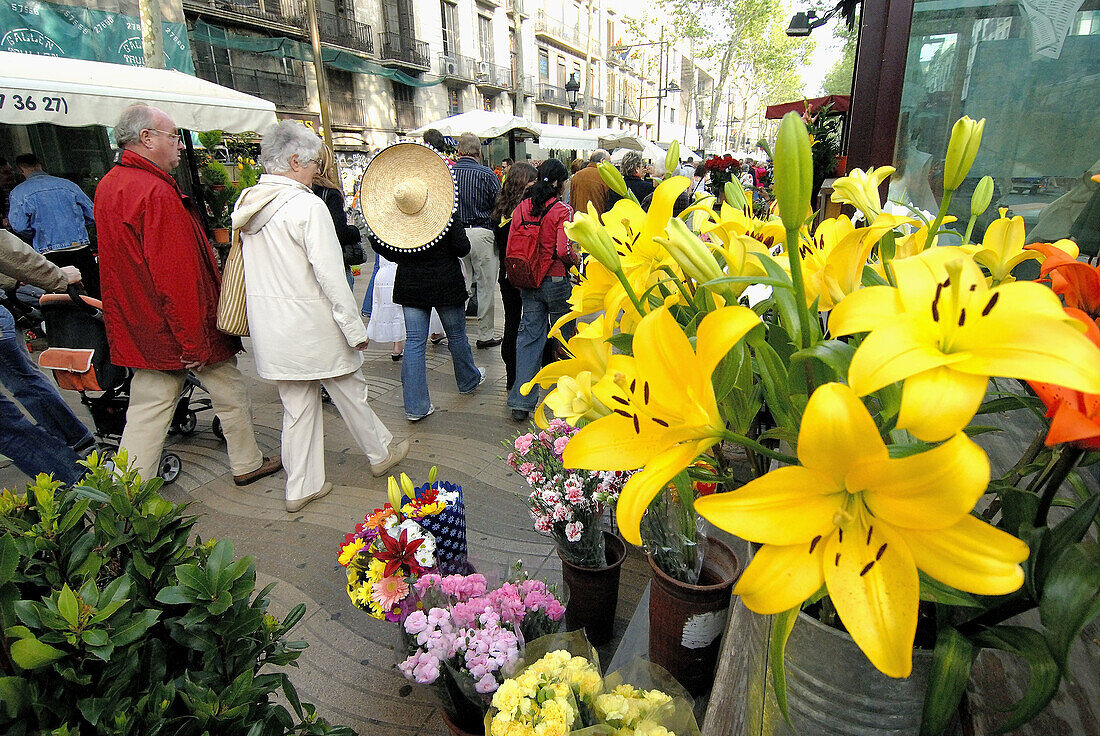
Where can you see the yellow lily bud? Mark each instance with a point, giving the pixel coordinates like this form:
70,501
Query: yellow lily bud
394,493
672,159
432,474
966,137
407,486
587,230
983,194
612,177
794,171
860,190
690,252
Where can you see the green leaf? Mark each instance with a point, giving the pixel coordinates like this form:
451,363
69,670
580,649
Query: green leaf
13,695
835,355
782,624
9,558
95,637
105,612
174,594
30,654
294,617
1029,645
1018,509
935,591
623,342
871,278
135,629
291,695
68,607
221,604
1008,403
191,576
786,303
951,663
1071,598
1056,541
141,565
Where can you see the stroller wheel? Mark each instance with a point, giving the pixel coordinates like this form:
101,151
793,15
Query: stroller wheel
187,423
216,428
170,467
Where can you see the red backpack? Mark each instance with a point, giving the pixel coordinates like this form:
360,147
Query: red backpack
526,260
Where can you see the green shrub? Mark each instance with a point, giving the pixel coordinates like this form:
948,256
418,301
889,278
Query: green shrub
115,623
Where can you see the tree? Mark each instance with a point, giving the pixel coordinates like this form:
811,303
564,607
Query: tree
839,79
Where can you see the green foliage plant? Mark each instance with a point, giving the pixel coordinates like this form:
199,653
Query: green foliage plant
116,623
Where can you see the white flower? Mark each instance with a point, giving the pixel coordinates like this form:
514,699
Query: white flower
573,531
561,512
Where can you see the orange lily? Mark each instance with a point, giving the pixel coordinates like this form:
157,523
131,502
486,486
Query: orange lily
1076,282
1074,415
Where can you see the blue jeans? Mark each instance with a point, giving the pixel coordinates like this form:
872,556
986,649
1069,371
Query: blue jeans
45,447
414,375
542,307
368,300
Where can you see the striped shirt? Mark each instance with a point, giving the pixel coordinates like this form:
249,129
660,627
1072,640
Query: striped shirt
478,188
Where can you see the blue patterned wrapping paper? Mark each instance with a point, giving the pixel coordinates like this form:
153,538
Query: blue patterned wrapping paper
449,529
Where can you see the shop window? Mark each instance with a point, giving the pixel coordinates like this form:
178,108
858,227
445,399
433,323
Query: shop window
454,101
544,65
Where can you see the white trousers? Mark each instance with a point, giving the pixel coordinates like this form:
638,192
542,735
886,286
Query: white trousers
304,431
153,396
482,266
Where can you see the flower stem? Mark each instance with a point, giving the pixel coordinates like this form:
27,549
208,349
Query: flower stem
935,227
1065,464
969,229
630,292
799,287
759,448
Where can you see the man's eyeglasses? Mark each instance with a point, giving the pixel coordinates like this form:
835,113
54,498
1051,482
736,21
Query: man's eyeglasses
170,133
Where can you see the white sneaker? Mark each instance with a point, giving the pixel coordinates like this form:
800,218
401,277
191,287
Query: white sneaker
480,381
431,410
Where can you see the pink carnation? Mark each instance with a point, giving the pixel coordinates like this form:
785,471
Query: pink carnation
526,468
523,443
574,495
573,531
487,684
559,445
561,512
542,524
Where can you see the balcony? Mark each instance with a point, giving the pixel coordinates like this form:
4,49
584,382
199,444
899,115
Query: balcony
555,30
625,109
349,112
513,6
285,90
340,31
527,85
407,115
283,12
493,77
595,105
397,49
455,67
548,94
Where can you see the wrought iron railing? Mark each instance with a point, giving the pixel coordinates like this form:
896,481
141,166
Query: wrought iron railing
289,12
285,90
552,95
491,75
454,66
341,31
403,48
349,112
407,115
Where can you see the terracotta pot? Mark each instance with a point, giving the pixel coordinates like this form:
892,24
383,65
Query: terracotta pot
686,621
457,730
221,235
594,592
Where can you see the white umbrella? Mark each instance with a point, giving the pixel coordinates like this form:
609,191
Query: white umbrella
482,123
613,139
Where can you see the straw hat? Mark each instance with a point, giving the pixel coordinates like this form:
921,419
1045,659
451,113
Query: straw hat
408,195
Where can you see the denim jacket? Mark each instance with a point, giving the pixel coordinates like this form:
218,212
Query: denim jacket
52,209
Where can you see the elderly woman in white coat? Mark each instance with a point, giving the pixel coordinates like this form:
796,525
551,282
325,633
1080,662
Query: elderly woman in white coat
304,322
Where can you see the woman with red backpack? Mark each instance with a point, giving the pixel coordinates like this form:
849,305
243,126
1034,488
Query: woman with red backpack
538,260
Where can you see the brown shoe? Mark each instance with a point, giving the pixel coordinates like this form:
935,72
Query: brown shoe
397,454
270,466
300,503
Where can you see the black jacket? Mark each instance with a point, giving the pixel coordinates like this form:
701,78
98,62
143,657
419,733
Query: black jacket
334,200
642,188
432,277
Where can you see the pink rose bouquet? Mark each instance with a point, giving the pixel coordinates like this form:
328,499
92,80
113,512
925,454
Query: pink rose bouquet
565,504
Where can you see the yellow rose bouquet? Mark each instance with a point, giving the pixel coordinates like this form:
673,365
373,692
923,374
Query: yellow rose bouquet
853,387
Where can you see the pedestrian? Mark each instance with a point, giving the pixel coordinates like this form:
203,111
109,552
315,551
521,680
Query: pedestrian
505,165
58,439
54,214
325,185
545,305
409,203
587,187
478,188
520,178
632,167
387,322
160,298
306,332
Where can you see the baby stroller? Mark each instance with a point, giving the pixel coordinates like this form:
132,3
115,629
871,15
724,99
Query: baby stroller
80,359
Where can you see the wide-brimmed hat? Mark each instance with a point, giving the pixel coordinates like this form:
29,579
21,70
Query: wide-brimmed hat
408,195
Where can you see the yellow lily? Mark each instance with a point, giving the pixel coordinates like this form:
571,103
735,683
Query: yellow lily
860,189
1003,248
962,149
944,331
668,414
573,400
589,352
730,222
598,291
861,523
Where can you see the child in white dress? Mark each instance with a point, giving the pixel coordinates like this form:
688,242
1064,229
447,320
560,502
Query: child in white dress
387,320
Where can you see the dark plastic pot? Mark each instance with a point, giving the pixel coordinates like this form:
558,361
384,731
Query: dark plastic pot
594,592
686,621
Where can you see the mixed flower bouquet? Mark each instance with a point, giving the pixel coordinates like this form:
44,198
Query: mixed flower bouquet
565,504
721,169
466,638
396,544
869,360
562,692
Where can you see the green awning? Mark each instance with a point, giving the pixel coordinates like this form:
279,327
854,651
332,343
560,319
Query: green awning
290,48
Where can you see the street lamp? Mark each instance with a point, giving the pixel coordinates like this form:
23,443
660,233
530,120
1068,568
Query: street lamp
572,89
699,128
660,96
803,23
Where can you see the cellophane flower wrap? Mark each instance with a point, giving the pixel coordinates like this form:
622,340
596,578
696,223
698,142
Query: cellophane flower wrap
448,526
853,388
568,505
720,170
467,637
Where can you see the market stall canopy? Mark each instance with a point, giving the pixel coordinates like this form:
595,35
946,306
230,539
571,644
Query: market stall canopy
840,103
612,139
482,123
566,137
74,92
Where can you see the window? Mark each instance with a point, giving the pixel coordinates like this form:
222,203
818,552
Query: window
403,92
487,103
544,65
485,37
561,72
454,101
398,17
450,28
341,85
544,118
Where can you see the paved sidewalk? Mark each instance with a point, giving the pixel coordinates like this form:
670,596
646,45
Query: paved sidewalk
348,670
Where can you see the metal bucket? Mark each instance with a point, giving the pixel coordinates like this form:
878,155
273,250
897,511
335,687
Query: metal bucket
594,593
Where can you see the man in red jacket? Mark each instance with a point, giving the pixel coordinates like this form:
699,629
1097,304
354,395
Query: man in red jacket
160,285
